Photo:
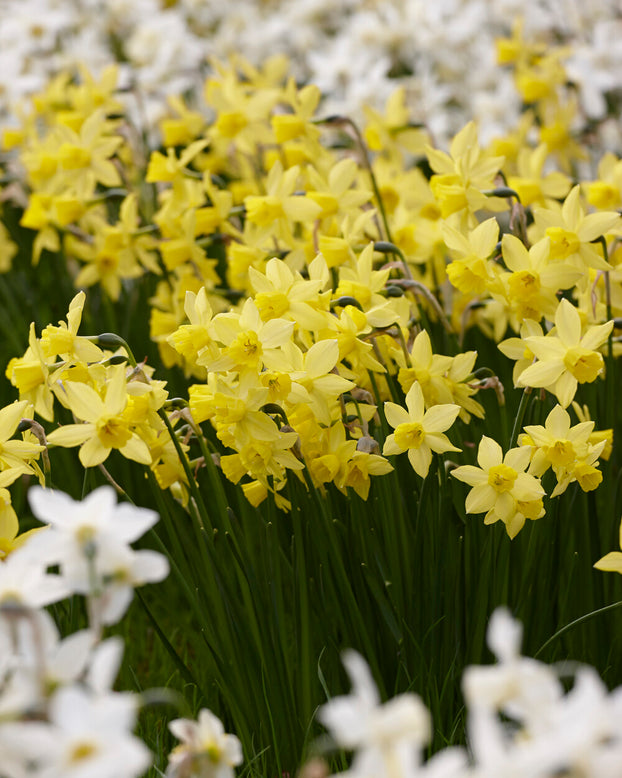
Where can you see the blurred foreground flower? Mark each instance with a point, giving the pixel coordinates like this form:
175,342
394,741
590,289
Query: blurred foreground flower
206,751
520,721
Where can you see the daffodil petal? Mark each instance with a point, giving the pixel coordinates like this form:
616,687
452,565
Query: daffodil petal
420,459
396,415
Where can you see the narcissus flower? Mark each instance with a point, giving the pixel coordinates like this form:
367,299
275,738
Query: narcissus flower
501,487
15,453
564,448
205,748
572,232
418,431
106,427
565,359
533,281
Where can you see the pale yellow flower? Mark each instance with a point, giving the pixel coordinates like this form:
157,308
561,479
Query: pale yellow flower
501,487
418,431
106,427
565,358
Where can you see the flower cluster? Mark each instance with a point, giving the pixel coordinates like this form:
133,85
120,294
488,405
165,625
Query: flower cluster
337,299
443,54
304,270
58,713
520,721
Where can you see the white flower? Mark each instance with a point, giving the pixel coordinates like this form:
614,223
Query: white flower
388,737
85,533
89,540
518,686
24,584
87,736
123,570
205,748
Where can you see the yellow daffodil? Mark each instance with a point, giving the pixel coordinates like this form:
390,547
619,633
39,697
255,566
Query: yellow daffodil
572,232
417,431
360,281
606,191
565,358
196,339
517,348
357,472
30,375
105,426
500,486
557,444
533,281
248,341
471,269
461,176
281,293
533,186
596,436
314,380
64,340
275,212
564,448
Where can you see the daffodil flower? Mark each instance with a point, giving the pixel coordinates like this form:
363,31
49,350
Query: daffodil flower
565,359
281,293
573,233
64,340
105,425
247,339
418,431
501,487
203,742
558,445
533,281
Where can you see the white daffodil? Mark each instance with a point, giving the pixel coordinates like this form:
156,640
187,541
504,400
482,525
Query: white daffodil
388,738
205,749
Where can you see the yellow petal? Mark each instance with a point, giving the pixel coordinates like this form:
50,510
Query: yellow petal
541,374
71,435
470,475
93,453
420,459
611,562
489,453
321,358
10,417
415,402
515,255
481,498
395,414
568,323
137,450
565,389
84,401
440,417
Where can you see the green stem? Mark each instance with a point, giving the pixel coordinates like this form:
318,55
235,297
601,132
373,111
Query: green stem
518,422
576,623
192,484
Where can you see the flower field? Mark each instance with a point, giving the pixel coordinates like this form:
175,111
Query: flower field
330,367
